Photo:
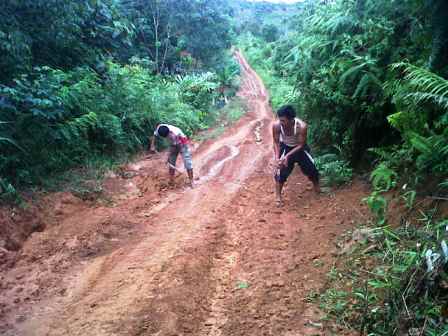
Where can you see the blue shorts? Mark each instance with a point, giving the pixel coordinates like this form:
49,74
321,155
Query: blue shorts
184,151
303,158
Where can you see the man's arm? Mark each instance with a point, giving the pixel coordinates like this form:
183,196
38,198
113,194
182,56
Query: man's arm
152,143
152,140
302,140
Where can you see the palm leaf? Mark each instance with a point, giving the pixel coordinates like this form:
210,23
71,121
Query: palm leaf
421,143
12,142
420,85
353,71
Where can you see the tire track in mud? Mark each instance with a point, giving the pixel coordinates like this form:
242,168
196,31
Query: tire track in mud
218,260
222,270
276,258
224,266
111,295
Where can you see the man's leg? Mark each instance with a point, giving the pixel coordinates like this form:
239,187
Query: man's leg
316,186
306,163
172,158
278,192
190,177
188,163
171,173
280,178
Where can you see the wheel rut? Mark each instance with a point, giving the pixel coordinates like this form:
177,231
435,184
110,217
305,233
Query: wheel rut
216,260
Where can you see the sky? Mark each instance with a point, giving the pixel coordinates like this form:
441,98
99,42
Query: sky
284,1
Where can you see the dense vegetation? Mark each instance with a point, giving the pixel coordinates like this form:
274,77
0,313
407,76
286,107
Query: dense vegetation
262,19
90,78
370,77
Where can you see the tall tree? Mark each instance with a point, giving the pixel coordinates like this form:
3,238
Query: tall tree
167,29
59,34
439,55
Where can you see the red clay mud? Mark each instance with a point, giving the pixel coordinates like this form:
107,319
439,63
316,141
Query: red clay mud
219,259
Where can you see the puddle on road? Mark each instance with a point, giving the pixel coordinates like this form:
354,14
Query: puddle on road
257,132
215,162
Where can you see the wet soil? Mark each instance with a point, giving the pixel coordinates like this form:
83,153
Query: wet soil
154,259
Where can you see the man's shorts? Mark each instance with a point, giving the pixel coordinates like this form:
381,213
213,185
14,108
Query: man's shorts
184,151
303,158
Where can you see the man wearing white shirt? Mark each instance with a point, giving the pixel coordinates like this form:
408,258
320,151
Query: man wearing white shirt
179,144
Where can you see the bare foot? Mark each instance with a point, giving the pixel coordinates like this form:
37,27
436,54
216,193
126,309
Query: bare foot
279,203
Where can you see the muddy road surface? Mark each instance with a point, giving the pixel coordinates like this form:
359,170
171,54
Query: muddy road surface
219,259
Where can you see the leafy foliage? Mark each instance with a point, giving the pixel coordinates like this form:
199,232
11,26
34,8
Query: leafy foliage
420,85
92,31
263,19
370,78
85,30
400,296
60,118
176,35
334,170
336,63
423,118
383,178
91,78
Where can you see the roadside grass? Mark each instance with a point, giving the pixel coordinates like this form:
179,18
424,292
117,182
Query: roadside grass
224,117
382,283
86,182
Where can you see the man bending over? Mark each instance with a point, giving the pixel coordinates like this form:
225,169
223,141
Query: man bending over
179,144
289,135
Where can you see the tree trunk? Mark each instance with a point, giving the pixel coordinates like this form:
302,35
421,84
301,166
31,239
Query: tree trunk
438,60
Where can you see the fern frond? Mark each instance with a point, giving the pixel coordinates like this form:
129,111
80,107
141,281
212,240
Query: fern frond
365,64
421,143
444,184
383,178
73,129
362,86
420,85
351,72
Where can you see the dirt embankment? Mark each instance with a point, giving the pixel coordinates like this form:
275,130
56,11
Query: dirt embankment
219,259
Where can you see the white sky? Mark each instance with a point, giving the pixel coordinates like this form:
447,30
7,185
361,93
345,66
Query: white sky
285,1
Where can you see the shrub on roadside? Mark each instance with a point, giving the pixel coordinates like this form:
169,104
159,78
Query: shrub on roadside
54,120
334,170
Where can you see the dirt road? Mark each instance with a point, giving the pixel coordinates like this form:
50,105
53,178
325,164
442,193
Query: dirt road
219,259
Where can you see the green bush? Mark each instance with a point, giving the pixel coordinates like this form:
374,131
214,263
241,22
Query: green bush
334,171
59,119
338,67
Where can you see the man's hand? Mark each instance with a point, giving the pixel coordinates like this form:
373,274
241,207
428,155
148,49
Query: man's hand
152,145
283,162
279,163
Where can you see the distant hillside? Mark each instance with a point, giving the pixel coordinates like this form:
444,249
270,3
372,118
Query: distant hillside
264,19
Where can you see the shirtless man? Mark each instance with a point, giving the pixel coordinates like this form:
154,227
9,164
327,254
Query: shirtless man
179,144
289,135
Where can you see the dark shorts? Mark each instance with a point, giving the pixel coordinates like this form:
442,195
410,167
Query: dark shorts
303,158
